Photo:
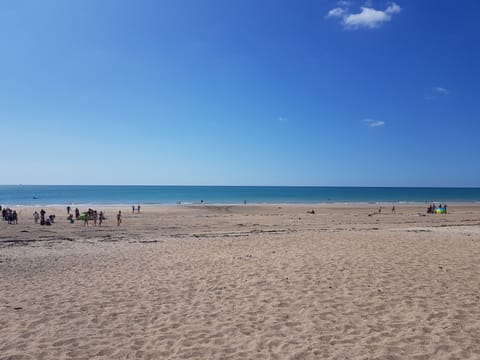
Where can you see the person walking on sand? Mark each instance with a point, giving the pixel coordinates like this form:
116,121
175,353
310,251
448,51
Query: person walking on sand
393,209
138,209
119,218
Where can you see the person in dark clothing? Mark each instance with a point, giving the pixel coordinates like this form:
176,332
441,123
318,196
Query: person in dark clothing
119,218
42,215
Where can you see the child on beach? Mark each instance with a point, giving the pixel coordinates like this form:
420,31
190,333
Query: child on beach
101,217
119,218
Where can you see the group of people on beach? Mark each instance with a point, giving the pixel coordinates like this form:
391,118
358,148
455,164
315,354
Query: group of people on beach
93,215
394,211
9,215
433,209
41,217
90,215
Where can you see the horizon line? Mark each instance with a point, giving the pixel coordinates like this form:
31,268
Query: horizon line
277,186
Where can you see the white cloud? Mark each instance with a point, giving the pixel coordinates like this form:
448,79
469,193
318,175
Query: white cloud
368,17
337,12
393,9
440,90
373,123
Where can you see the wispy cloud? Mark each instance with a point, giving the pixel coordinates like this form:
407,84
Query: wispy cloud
282,119
440,90
436,92
336,12
344,3
368,17
373,123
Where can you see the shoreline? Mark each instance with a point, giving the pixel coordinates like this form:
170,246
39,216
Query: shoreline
206,204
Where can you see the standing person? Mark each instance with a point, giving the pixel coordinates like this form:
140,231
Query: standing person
119,218
36,217
393,209
95,217
138,209
85,219
42,216
133,209
68,210
100,218
77,213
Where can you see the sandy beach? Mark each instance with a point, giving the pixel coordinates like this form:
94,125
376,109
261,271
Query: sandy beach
243,282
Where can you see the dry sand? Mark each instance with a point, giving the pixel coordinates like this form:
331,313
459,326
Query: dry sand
243,282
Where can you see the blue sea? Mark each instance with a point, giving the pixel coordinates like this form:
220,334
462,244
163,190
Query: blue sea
11,195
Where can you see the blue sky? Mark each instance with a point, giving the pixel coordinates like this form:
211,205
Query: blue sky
240,92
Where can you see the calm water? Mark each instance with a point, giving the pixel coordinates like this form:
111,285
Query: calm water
66,194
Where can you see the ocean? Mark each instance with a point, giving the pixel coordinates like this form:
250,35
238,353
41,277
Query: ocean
44,195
